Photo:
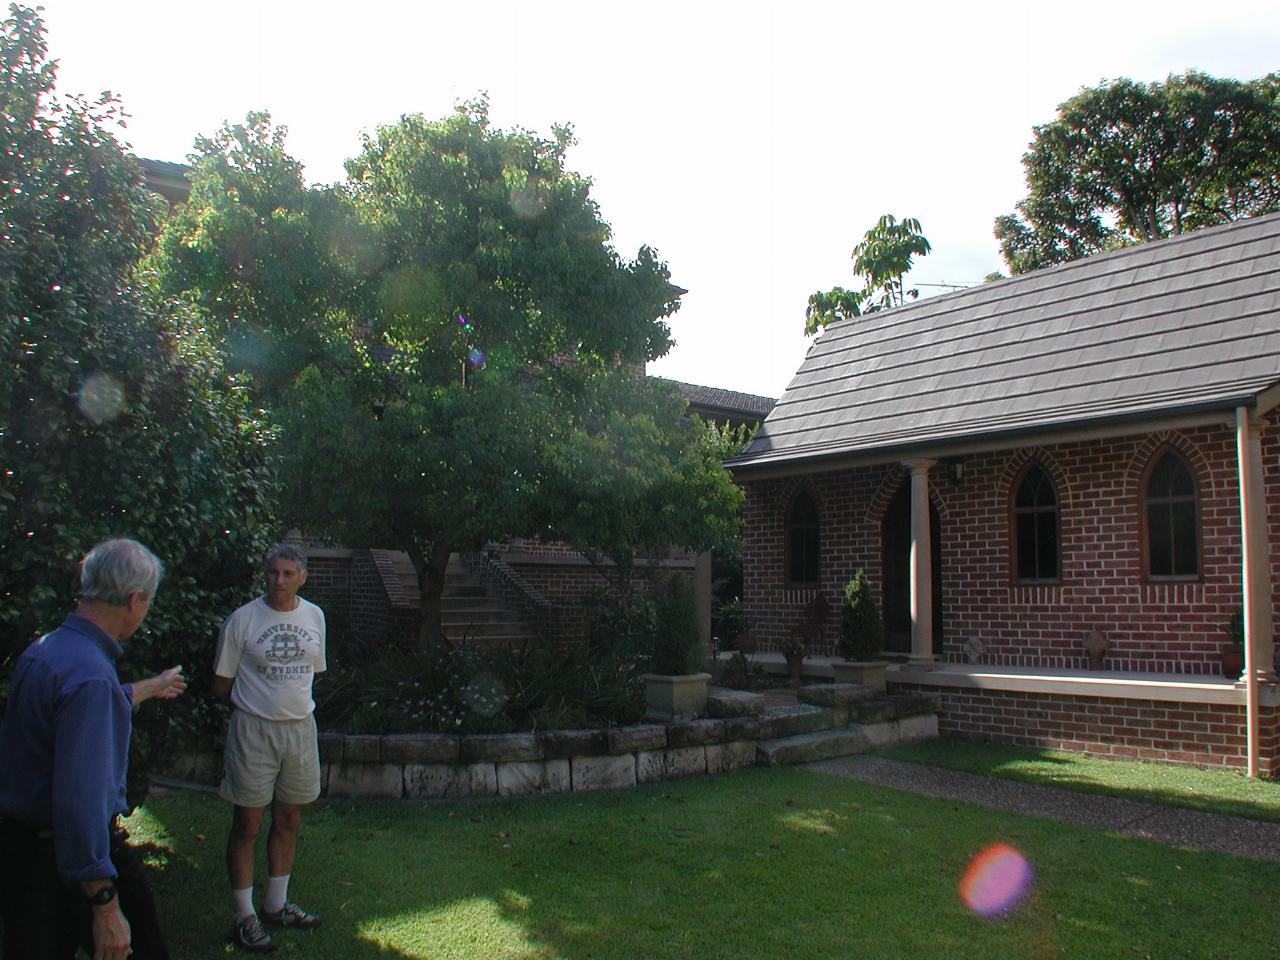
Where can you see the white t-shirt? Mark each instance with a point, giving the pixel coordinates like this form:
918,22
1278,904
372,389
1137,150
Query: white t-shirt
273,657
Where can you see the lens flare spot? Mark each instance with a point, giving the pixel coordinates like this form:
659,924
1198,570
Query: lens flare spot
485,695
101,397
996,880
476,358
463,321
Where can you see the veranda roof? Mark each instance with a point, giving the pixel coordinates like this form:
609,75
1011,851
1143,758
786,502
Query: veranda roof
1165,328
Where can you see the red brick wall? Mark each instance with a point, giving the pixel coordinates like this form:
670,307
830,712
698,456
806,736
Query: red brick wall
1168,628
1191,733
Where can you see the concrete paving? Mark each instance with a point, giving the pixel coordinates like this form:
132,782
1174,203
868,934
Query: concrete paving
1173,825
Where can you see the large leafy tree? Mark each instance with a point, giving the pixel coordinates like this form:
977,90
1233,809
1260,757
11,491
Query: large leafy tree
116,417
483,345
1128,162
882,258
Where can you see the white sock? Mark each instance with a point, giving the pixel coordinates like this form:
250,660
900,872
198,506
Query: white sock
277,894
244,902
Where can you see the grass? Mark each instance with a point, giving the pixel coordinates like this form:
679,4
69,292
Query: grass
1213,791
778,863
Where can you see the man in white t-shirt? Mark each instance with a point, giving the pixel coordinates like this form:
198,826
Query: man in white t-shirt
269,652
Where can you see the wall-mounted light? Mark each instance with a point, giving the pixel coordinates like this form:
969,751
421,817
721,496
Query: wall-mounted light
957,472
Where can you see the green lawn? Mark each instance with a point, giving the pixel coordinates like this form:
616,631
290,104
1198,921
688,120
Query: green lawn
779,863
1216,791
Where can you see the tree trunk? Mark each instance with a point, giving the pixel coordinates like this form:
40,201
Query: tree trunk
430,568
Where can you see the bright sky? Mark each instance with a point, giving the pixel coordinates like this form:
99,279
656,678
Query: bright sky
751,144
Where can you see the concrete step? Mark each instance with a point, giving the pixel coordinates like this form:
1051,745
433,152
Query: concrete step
806,747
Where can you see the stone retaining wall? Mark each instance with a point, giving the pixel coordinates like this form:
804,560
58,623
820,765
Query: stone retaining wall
433,766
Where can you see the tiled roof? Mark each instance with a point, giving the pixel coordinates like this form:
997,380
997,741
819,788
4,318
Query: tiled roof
1164,328
727,402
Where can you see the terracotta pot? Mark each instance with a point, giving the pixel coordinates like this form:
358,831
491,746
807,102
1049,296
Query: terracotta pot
1232,663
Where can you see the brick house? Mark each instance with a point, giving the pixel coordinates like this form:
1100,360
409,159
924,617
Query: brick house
1064,486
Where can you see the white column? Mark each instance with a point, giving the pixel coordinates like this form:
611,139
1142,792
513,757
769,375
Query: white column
921,565
1259,654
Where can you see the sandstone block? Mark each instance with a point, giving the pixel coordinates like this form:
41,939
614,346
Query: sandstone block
440,780
574,743
646,736
806,747
331,747
500,748
420,748
670,764
792,721
362,748
723,702
383,781
602,773
523,778
692,733
832,694
734,755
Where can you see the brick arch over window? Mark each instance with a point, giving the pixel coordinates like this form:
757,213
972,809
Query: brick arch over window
1016,464
802,536
1170,495
1144,456
890,483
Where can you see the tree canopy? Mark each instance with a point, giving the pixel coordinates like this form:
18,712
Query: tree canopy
116,416
1127,162
882,259
467,365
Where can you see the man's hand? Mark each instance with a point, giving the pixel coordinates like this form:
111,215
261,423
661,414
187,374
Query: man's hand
163,686
111,935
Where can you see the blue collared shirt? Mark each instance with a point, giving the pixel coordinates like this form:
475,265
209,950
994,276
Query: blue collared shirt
64,744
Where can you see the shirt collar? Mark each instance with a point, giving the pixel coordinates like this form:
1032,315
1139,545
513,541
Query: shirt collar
95,633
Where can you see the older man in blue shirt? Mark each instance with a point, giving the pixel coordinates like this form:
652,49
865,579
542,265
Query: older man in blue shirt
69,877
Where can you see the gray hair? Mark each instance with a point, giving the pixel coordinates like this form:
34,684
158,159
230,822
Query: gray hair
286,551
114,570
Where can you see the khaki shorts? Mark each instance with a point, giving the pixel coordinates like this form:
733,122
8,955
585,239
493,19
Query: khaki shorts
270,759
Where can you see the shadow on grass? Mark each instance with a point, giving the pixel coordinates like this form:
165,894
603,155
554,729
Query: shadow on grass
765,864
1210,791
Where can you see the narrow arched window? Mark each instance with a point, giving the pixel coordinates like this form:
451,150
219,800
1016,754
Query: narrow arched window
802,541
1035,528
1171,515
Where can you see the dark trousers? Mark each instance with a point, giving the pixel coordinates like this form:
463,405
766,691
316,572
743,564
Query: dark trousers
47,919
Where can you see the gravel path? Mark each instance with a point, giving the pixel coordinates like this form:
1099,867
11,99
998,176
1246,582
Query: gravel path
1172,825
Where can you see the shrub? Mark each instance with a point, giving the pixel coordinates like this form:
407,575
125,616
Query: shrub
861,630
676,646
116,417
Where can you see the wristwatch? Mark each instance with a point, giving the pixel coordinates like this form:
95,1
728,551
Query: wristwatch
102,896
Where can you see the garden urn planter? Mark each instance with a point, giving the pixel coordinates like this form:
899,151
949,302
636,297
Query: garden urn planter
869,673
1232,663
675,696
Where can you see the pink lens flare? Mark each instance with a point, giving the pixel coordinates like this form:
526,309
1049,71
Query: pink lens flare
463,321
996,880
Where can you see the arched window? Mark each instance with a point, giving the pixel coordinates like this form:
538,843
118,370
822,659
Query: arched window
1035,542
1171,519
802,541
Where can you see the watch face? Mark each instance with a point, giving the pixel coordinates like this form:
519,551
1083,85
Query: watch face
103,896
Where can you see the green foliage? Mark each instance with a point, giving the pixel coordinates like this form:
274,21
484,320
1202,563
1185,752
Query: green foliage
463,689
1128,162
882,258
1235,630
274,267
861,630
453,319
116,417
676,646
